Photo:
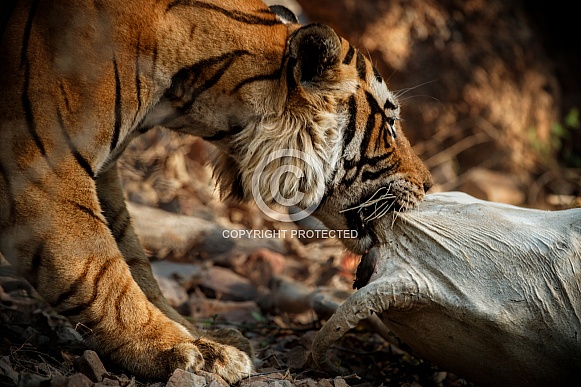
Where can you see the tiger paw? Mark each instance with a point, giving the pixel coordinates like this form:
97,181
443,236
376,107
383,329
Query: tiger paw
231,363
158,356
231,337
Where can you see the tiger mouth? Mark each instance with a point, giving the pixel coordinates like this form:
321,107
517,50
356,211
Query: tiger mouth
373,206
360,220
363,216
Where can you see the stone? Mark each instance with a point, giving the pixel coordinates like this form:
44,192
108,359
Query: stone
181,378
340,382
28,379
174,293
213,380
79,380
7,374
227,285
90,365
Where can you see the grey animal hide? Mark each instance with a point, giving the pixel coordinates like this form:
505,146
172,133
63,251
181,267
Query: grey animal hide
489,291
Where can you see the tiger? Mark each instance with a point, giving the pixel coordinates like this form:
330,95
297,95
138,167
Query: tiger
80,79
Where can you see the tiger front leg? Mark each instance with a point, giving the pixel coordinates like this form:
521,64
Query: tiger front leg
115,210
58,238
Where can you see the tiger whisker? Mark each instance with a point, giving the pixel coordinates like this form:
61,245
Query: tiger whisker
374,202
377,209
419,95
396,213
399,93
378,213
371,200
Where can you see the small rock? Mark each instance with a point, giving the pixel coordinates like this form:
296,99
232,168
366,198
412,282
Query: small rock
340,382
90,365
261,266
306,383
184,273
324,383
297,358
213,380
59,380
227,285
125,381
27,379
270,380
174,293
241,312
181,378
107,382
8,376
79,380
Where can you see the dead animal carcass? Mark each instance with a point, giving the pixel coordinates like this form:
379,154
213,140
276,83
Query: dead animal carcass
489,291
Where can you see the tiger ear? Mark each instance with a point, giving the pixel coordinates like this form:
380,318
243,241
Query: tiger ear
315,54
284,14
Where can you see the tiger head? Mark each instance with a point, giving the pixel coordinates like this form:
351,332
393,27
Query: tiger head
312,125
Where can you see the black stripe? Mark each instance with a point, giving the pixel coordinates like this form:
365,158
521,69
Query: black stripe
368,132
263,77
220,135
28,115
184,82
384,128
86,210
78,309
369,126
117,128
25,99
234,15
78,156
361,67
372,175
137,82
35,264
27,29
377,74
349,57
348,136
65,96
74,288
352,124
118,301
389,105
